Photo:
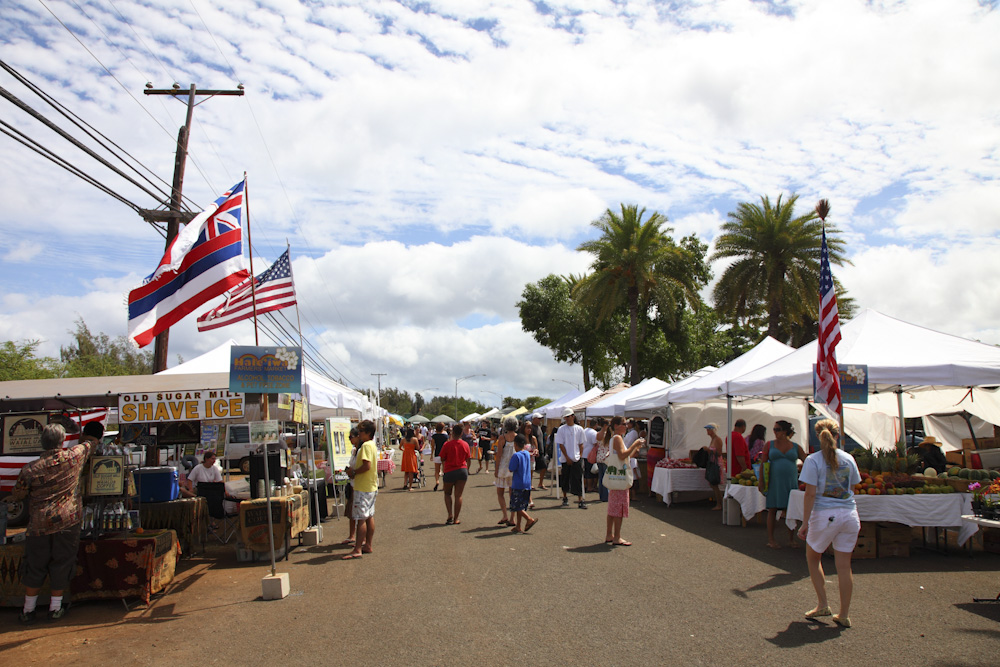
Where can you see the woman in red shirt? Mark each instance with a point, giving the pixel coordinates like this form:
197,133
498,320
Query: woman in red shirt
455,460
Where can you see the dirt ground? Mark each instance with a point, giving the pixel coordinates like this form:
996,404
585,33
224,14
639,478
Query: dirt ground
689,591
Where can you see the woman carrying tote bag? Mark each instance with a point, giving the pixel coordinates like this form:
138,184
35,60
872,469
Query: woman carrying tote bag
618,479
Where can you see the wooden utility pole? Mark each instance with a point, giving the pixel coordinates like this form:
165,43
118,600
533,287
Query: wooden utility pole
175,216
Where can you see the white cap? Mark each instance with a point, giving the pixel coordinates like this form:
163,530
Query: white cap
568,412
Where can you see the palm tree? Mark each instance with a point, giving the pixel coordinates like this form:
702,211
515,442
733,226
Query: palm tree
636,261
777,265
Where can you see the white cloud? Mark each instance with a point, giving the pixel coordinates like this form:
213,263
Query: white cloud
419,192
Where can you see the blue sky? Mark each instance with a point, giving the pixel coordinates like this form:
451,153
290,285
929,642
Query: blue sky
426,160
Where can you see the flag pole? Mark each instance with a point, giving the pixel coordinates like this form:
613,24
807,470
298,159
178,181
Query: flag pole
253,282
314,485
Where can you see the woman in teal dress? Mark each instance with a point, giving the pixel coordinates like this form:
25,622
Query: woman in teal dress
783,455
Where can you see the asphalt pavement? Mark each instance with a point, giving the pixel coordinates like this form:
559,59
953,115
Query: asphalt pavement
688,591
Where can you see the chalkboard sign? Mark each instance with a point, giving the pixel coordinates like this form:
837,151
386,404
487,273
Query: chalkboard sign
656,432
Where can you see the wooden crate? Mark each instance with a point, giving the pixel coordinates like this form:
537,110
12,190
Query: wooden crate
955,458
894,533
894,550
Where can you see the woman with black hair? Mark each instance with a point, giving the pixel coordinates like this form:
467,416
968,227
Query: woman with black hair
783,477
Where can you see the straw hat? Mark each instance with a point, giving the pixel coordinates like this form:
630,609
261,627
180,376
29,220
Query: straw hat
930,440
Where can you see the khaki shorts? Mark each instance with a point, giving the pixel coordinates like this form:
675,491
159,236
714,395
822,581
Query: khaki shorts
364,505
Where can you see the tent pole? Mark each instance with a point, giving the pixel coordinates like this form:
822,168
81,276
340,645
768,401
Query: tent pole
729,455
902,420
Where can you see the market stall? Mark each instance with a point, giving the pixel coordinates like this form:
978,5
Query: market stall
944,511
668,481
188,517
289,518
112,567
751,500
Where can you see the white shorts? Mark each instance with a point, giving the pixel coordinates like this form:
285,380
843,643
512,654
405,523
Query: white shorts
437,459
502,482
364,505
839,527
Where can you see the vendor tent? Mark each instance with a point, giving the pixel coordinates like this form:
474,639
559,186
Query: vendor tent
580,408
715,384
899,356
418,419
609,406
471,417
491,414
442,419
648,404
556,406
516,413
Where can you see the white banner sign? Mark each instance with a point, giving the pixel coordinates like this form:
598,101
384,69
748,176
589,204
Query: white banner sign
173,406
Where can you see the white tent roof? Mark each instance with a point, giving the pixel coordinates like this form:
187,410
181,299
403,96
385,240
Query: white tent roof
325,395
555,412
644,405
714,384
898,354
490,414
557,404
471,417
610,406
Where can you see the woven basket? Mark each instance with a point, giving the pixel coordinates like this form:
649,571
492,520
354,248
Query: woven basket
961,485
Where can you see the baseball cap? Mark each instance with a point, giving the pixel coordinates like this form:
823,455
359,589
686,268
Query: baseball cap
567,412
713,426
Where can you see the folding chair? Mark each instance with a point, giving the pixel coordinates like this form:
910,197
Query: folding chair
215,494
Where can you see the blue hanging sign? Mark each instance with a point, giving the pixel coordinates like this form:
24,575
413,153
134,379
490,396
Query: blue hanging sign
265,370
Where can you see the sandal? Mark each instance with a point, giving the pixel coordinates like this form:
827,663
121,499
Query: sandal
528,525
842,621
503,522
515,529
350,556
623,543
819,611
449,522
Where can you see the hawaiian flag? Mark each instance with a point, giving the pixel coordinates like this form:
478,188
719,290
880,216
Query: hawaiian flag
203,261
827,374
273,290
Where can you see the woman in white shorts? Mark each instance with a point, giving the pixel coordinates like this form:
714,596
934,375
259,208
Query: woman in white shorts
830,516
505,449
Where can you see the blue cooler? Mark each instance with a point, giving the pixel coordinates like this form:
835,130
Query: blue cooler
157,485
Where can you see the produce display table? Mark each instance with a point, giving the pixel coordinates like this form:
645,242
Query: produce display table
932,510
187,516
289,518
119,567
384,466
667,481
750,498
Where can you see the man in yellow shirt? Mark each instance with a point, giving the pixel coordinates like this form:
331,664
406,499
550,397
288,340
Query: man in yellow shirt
365,478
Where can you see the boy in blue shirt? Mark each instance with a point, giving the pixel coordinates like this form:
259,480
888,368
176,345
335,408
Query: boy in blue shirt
520,485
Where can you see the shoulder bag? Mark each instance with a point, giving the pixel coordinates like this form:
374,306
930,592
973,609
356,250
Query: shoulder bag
618,474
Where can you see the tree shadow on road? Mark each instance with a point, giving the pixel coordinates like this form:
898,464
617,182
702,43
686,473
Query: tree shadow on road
801,633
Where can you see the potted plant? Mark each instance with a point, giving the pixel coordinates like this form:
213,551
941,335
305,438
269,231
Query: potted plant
977,498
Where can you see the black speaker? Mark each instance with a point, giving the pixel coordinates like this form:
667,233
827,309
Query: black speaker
274,469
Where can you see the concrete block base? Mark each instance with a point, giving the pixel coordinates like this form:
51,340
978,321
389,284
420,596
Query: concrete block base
312,536
275,587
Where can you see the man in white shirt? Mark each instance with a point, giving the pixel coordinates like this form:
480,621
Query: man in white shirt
569,443
206,472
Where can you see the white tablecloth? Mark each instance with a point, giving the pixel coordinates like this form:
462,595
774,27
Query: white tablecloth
751,500
670,480
943,510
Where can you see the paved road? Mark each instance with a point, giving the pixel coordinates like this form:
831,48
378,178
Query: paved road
689,591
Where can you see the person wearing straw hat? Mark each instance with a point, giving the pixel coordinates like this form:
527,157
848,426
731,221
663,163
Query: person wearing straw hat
569,444
931,454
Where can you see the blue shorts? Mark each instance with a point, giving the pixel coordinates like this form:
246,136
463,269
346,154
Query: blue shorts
520,499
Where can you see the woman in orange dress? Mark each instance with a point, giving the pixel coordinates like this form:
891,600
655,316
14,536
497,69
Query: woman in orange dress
410,465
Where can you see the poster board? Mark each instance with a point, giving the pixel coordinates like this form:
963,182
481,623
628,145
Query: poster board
264,432
338,444
22,434
265,370
179,406
656,430
106,476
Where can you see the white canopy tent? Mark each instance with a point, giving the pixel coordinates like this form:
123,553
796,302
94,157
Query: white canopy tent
552,410
475,416
646,405
326,397
580,408
715,384
491,414
614,404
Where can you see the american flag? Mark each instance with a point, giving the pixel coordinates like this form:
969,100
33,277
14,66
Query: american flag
10,466
827,375
274,291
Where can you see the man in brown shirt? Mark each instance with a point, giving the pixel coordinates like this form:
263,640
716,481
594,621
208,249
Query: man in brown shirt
51,484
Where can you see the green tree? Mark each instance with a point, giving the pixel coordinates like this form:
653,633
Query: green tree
18,362
775,274
396,401
561,323
637,264
97,355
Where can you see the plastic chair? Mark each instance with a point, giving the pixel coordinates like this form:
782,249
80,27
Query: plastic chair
215,494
